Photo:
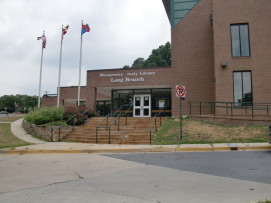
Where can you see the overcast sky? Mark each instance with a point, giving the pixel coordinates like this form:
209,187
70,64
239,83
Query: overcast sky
121,31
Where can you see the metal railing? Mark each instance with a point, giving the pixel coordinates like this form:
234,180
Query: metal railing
108,125
72,117
154,124
212,108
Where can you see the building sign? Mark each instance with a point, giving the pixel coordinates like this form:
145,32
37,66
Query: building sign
127,77
180,91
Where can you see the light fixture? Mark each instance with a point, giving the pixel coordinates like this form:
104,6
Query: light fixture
224,64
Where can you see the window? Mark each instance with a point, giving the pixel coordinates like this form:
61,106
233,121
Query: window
240,40
242,88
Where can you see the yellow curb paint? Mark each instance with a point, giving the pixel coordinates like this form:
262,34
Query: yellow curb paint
160,149
191,149
221,149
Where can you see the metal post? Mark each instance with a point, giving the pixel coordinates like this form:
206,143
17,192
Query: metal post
96,135
40,75
190,111
155,124
160,120
59,134
150,136
109,141
199,108
59,70
80,64
231,110
214,108
181,120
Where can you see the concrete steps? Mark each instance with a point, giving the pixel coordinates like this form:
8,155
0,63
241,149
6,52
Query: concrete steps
135,132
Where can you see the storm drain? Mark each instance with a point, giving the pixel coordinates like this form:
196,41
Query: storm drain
233,146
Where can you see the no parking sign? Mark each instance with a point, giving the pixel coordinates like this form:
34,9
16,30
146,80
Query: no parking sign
180,91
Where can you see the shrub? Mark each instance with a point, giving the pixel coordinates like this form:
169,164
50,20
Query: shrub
41,116
78,118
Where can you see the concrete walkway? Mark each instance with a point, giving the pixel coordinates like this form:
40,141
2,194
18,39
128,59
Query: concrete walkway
18,131
40,146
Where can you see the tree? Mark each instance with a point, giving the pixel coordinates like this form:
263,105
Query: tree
18,102
159,57
138,63
126,66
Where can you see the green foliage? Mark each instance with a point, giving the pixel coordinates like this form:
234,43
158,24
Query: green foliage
40,116
159,57
139,63
265,201
57,116
126,66
17,102
74,115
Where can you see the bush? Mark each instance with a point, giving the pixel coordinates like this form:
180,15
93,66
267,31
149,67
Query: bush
41,116
55,115
78,118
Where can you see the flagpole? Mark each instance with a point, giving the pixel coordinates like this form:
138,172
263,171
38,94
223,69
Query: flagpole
59,71
41,60
80,63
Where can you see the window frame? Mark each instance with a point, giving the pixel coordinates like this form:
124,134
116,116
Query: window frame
240,41
242,83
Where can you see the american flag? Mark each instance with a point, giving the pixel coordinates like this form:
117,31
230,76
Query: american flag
43,38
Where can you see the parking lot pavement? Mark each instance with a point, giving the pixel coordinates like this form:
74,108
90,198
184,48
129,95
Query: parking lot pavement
139,177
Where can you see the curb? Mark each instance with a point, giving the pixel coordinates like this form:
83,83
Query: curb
138,150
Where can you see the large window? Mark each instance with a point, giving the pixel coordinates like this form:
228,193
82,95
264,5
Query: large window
242,88
240,40
160,99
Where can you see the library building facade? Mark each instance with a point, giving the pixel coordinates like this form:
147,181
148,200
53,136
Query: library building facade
221,53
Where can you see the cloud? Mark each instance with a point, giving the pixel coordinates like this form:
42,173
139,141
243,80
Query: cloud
121,31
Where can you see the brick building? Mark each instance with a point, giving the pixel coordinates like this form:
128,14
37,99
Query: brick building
221,51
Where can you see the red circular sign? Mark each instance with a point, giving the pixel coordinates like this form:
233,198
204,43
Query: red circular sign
180,91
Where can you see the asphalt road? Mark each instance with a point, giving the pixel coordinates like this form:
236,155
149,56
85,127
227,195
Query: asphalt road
244,165
142,177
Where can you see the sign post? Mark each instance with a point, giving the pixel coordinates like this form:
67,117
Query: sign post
180,92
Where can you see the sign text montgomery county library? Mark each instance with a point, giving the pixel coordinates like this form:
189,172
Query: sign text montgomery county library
127,77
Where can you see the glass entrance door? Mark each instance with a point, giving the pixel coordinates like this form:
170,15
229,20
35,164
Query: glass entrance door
142,105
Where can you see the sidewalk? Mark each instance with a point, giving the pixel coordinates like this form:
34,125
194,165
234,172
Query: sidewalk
40,146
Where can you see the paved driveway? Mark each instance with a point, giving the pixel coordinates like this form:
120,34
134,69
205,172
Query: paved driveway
142,177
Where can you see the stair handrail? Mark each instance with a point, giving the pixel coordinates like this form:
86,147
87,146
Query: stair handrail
117,118
114,121
155,124
80,114
106,118
108,115
65,122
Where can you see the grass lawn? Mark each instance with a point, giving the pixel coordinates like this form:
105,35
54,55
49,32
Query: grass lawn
11,118
195,131
7,139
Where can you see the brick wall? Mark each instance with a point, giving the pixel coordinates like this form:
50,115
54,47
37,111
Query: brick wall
101,82
193,56
49,101
257,14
